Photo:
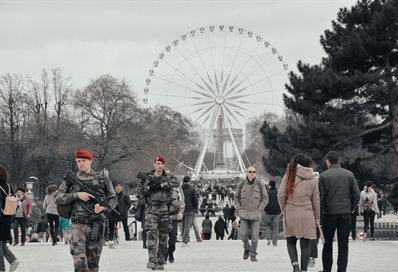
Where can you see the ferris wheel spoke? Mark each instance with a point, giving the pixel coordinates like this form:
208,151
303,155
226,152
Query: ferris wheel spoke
266,78
230,113
206,110
225,84
208,86
210,114
199,55
189,62
248,59
234,88
236,97
173,83
202,103
217,84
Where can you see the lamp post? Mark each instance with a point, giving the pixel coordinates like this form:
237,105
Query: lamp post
29,186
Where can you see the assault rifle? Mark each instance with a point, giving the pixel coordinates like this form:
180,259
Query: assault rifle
95,191
154,183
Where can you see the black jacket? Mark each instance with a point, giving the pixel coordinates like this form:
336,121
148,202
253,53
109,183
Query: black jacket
273,204
124,204
191,198
220,226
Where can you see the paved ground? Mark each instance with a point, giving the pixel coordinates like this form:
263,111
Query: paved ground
207,256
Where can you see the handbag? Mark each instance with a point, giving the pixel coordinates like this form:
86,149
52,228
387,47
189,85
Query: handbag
140,211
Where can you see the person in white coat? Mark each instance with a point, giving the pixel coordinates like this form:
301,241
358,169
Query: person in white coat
368,208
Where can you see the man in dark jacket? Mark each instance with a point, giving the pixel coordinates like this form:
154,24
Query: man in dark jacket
124,204
191,207
272,215
339,195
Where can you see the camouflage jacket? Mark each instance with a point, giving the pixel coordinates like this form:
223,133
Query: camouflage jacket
156,195
67,193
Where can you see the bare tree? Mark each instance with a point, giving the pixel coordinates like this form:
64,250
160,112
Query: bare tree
13,112
109,107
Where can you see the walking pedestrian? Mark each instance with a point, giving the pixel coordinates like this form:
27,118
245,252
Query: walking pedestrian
177,194
123,206
191,207
250,199
157,188
299,200
51,211
87,215
220,228
272,215
5,223
339,194
23,214
207,227
368,208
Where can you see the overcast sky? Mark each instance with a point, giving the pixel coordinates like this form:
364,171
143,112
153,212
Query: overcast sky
123,38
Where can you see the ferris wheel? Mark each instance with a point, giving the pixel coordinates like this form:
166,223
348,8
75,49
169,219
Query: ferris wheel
220,77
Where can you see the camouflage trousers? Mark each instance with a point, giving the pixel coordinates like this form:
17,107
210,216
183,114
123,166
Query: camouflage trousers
86,249
157,226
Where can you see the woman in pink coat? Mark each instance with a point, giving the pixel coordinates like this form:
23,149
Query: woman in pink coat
298,198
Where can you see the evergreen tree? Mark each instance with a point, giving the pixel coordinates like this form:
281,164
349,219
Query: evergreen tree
350,101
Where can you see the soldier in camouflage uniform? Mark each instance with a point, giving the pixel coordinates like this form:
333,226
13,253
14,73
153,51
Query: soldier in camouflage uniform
157,190
88,220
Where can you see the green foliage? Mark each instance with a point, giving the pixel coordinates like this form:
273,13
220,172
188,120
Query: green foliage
350,100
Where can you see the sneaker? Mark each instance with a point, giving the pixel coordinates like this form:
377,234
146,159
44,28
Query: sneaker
14,244
246,254
111,246
372,238
253,258
184,244
268,242
23,244
311,262
14,265
199,240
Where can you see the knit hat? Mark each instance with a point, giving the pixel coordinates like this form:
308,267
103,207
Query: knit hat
186,179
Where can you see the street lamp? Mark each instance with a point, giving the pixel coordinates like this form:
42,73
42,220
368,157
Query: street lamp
29,187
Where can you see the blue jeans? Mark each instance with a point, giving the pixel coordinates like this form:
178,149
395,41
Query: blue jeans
252,226
5,253
272,227
188,222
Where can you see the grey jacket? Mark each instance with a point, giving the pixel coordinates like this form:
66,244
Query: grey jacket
49,203
250,200
338,189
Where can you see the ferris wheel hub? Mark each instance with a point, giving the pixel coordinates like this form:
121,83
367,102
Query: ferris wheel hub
220,99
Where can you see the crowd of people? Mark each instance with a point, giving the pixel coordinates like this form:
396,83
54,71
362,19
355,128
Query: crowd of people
312,206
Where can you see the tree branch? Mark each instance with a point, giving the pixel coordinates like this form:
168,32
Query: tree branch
386,123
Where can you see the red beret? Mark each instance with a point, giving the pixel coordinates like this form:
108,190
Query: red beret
83,154
159,158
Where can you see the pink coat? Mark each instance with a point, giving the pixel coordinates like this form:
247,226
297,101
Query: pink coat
300,208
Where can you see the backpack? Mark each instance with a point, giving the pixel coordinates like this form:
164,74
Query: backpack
367,205
10,206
